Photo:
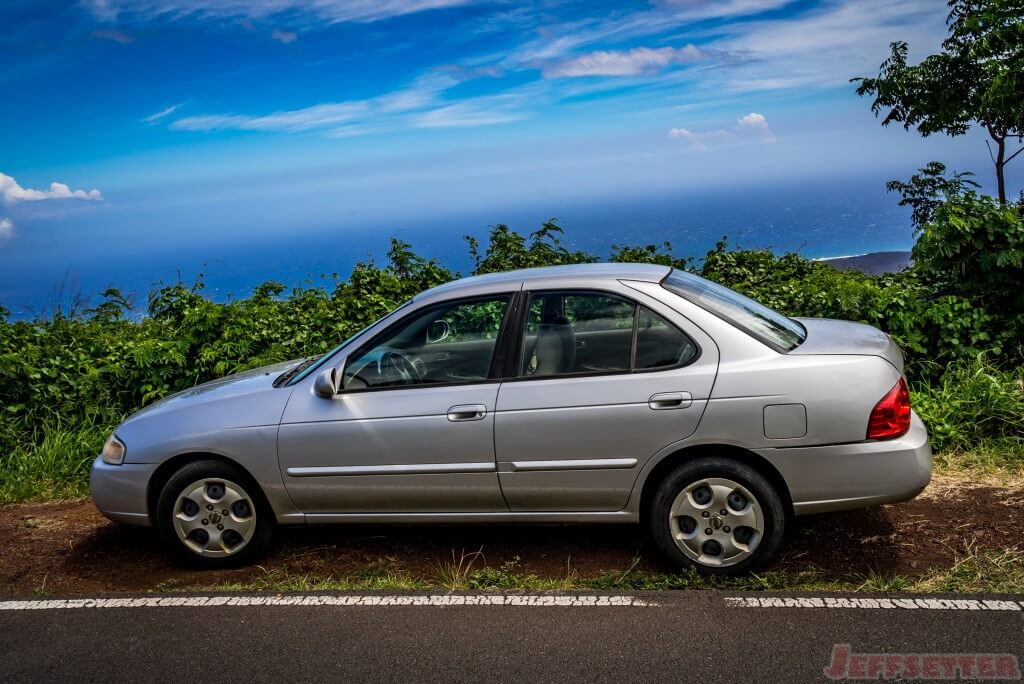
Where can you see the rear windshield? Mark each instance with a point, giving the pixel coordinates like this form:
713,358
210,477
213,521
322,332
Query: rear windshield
771,327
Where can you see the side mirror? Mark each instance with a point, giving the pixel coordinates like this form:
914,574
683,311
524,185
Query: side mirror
326,384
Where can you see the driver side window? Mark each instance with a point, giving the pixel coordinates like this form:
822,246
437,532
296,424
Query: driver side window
448,343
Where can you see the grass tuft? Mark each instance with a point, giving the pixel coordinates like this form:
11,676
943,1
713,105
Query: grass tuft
51,463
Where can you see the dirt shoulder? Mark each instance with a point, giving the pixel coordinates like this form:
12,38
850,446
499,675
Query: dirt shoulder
69,548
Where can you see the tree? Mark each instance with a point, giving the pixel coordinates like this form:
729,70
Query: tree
929,189
977,78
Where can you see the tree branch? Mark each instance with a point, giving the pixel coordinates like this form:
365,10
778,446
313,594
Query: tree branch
990,155
1010,158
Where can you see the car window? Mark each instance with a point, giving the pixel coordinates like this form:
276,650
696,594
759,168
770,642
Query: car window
445,344
659,344
569,333
754,318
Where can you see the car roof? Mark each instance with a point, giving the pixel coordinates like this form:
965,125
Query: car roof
554,275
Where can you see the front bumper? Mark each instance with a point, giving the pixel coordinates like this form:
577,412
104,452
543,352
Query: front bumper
844,476
119,491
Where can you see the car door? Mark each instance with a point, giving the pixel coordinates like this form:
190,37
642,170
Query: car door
412,427
603,381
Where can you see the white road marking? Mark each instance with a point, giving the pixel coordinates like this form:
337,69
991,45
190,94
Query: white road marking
578,601
872,603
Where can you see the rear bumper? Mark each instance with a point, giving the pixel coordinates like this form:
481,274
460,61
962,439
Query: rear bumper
843,476
119,491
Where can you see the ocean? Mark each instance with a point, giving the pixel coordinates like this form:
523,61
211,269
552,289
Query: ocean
822,220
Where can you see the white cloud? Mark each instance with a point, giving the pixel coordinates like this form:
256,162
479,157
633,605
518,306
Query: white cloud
420,105
115,35
693,10
6,228
752,126
482,111
700,140
757,125
561,39
153,118
634,62
285,37
331,11
827,46
12,192
293,120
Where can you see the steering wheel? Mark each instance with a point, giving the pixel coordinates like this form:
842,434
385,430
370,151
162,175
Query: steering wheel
396,366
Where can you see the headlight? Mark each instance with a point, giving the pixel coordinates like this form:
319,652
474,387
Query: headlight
113,451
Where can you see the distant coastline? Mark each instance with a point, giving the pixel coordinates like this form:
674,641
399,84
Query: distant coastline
872,263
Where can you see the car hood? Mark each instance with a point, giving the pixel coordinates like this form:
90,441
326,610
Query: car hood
829,336
240,384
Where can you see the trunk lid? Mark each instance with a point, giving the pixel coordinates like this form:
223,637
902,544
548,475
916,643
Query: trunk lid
829,336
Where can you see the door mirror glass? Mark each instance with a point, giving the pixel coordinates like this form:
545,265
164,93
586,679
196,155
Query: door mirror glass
326,384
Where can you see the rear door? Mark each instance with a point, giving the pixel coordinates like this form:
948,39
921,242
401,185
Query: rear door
602,381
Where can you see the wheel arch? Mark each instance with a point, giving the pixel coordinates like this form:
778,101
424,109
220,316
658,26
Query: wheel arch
672,461
166,470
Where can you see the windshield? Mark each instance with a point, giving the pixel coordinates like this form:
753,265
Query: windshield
768,326
323,359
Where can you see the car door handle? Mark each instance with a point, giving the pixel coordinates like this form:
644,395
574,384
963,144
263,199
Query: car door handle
460,414
670,400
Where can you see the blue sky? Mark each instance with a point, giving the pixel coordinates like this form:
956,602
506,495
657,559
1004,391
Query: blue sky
188,125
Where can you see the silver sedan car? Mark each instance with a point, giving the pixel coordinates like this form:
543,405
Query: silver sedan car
600,393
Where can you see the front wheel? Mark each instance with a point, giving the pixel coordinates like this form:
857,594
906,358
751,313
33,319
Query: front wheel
717,515
213,514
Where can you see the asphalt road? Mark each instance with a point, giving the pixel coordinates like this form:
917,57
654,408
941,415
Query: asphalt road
676,636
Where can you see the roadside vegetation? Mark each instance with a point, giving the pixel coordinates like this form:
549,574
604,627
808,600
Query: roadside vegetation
68,378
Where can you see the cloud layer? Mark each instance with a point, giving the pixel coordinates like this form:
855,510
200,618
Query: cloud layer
753,126
419,105
633,62
331,11
12,192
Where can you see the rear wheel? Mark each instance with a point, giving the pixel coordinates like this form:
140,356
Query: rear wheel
213,514
717,515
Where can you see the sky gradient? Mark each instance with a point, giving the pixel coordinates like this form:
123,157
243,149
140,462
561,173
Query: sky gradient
189,127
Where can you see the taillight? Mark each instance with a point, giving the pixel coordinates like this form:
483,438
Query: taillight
891,415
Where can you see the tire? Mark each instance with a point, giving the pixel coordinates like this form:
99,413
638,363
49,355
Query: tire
746,537
200,533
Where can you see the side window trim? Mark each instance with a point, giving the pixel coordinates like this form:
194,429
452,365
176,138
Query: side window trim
510,298
517,331
505,344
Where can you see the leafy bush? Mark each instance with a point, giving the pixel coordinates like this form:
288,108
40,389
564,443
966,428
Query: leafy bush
971,404
66,380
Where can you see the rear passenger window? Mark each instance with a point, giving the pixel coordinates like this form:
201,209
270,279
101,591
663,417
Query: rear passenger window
577,333
594,332
659,344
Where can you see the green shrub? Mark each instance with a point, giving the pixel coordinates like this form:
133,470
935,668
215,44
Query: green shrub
974,403
52,462
66,379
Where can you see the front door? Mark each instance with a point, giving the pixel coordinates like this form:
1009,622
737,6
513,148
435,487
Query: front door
412,429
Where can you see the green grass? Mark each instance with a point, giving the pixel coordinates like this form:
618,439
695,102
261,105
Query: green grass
975,414
1000,571
51,463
